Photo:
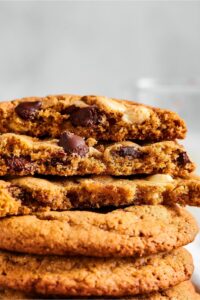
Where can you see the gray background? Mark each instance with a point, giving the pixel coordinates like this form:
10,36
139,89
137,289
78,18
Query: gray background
97,47
106,47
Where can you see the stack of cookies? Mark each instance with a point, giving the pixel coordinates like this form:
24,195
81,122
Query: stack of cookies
90,203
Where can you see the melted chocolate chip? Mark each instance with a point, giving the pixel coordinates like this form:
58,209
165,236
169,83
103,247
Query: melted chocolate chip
17,164
73,144
131,152
28,110
85,116
183,159
54,162
70,109
74,199
112,121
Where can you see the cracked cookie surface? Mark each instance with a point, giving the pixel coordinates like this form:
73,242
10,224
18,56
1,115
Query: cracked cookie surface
86,276
132,231
72,155
90,116
184,289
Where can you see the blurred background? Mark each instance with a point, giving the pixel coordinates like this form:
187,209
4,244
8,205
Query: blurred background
142,50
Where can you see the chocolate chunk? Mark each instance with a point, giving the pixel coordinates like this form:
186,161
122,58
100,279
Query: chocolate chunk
72,143
73,198
54,162
85,116
28,110
70,109
112,121
183,159
17,164
130,152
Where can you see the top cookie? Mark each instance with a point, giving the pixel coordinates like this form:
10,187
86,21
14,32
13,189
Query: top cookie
90,116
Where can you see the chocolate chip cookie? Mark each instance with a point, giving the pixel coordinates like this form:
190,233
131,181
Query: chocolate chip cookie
132,231
27,195
72,155
89,116
87,276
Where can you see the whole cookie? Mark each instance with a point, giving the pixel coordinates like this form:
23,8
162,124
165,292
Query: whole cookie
132,231
184,290
87,276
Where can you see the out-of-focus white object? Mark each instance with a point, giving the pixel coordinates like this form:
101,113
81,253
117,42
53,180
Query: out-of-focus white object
183,97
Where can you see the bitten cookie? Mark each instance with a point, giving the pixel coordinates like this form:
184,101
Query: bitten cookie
72,155
83,276
90,116
132,231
